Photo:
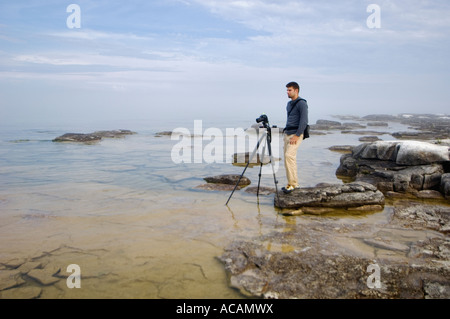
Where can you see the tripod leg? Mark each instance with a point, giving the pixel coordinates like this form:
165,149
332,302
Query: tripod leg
273,170
260,168
249,161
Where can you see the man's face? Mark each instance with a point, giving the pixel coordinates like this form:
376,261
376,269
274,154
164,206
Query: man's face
291,92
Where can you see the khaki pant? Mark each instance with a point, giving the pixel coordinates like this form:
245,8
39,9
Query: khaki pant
290,159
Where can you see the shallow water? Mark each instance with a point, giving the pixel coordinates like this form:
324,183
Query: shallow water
131,218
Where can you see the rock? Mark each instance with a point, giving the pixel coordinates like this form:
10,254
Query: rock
21,293
399,166
341,148
364,132
228,179
334,196
14,263
414,135
367,208
262,190
352,126
334,125
381,118
378,124
27,267
429,194
328,123
113,133
163,133
92,137
445,185
369,139
389,245
10,279
420,153
45,276
217,187
423,216
77,137
436,290
242,159
313,273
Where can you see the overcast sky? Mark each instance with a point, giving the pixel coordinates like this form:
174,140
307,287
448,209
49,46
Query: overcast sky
197,59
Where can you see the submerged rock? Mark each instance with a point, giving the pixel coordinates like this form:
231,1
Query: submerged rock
217,187
225,182
230,179
423,216
241,159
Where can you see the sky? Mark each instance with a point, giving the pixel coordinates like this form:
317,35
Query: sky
198,59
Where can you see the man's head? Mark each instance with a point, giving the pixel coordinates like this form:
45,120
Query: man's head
293,90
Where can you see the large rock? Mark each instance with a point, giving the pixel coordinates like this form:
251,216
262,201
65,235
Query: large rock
445,185
405,167
331,196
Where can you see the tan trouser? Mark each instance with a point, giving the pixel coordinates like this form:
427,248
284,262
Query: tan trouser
290,159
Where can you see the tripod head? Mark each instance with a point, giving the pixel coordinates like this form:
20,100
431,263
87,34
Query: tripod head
265,122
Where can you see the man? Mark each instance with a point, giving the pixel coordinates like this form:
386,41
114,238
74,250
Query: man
297,120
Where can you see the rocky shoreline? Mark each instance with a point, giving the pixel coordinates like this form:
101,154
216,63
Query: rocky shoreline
330,258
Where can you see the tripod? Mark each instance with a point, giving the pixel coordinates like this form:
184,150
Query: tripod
267,136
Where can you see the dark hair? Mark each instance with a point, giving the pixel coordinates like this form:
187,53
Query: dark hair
293,85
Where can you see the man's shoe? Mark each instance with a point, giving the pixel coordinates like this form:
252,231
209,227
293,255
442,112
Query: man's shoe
288,189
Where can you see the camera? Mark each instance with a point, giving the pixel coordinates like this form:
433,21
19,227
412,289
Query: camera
263,118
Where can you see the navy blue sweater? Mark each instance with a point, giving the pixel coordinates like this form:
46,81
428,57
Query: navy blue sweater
298,118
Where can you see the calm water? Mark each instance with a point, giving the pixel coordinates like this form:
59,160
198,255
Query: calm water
129,216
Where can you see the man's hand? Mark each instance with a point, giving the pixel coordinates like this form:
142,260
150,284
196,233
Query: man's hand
293,140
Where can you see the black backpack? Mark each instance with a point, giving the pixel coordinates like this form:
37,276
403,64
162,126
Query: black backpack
306,132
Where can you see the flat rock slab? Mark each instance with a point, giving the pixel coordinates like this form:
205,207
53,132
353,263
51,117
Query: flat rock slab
316,273
45,276
9,279
21,293
92,137
332,196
